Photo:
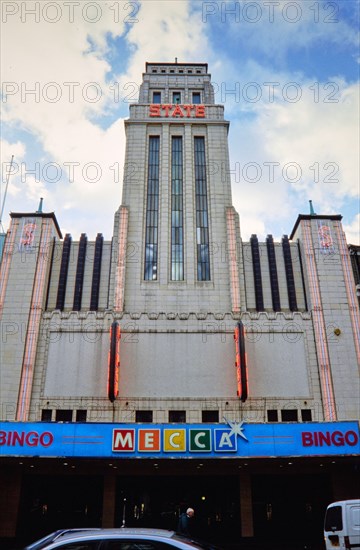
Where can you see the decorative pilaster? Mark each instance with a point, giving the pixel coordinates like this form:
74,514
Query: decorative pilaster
121,260
35,314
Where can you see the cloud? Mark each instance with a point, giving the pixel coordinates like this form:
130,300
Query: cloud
352,231
10,151
60,97
54,90
57,91
298,143
165,31
274,28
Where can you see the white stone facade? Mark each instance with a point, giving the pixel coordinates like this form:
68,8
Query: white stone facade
177,348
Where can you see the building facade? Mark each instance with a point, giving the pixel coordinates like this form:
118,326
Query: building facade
176,364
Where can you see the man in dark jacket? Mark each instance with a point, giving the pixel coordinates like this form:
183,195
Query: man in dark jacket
184,525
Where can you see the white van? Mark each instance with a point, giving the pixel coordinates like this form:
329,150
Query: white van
342,525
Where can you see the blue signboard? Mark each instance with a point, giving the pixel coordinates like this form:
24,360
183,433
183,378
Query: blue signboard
232,439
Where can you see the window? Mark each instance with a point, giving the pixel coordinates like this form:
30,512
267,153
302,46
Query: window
181,71
198,71
202,222
137,545
272,415
63,415
177,416
210,416
46,415
84,545
333,519
152,211
189,71
176,97
306,415
143,416
81,415
196,98
177,229
156,97
289,415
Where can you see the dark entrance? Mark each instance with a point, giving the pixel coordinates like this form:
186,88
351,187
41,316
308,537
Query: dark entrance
290,507
49,503
157,502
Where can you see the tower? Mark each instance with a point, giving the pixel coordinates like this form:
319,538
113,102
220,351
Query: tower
24,276
178,265
333,303
177,196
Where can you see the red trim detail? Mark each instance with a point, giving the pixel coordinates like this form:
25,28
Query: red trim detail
114,362
241,362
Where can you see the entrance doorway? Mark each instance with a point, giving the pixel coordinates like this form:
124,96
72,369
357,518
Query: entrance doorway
157,501
290,507
49,503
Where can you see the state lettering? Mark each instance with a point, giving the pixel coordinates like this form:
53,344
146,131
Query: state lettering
167,110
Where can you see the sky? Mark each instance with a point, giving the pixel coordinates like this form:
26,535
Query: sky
287,73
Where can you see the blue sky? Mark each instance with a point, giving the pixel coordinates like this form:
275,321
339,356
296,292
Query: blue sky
286,71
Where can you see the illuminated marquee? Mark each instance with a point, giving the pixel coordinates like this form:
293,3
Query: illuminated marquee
131,441
177,111
114,362
240,362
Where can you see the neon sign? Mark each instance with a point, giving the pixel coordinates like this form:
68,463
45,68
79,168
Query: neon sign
28,234
177,111
114,362
337,438
174,440
325,239
241,362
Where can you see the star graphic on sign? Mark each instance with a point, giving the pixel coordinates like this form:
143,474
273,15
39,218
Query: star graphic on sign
236,428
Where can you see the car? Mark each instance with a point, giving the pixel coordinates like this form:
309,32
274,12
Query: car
127,538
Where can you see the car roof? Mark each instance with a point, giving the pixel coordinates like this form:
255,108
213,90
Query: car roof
122,531
63,535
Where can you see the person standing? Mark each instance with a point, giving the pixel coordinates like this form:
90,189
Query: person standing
185,520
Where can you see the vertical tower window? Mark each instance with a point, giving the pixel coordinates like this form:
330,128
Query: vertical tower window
289,274
152,211
177,228
156,97
176,97
255,251
274,283
95,285
80,269
65,259
196,98
202,222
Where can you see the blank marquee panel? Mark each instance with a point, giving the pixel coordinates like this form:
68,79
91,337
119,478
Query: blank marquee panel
277,365
77,365
178,365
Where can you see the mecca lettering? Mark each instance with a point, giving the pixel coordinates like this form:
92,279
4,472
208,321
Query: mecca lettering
174,440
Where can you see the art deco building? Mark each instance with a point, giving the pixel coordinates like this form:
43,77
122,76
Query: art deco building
176,364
